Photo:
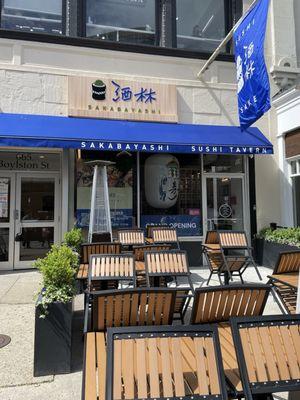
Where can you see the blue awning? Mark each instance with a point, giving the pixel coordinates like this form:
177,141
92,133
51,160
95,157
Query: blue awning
98,134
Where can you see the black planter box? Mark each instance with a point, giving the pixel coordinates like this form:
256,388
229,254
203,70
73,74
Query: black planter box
258,250
53,340
271,252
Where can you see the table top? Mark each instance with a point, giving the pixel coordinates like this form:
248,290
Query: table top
162,362
212,246
112,266
290,278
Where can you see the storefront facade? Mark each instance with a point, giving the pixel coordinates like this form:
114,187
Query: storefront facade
198,176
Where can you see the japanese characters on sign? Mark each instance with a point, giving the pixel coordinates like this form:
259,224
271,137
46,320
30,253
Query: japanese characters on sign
253,86
119,99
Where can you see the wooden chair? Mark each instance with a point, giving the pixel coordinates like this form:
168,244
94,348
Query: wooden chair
211,237
149,229
236,253
87,249
165,235
212,252
268,353
162,266
130,237
139,255
128,307
154,363
110,268
217,305
284,279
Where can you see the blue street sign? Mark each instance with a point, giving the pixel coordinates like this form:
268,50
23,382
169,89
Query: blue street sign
252,76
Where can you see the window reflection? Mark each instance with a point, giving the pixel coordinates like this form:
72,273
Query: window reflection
200,24
37,200
131,21
35,243
4,244
32,16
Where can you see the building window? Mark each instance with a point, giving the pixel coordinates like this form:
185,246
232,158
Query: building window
171,192
130,21
121,189
33,16
200,24
222,163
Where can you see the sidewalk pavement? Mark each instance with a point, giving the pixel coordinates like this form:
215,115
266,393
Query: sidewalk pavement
17,305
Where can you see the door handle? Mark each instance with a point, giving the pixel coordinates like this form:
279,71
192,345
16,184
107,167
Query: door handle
16,214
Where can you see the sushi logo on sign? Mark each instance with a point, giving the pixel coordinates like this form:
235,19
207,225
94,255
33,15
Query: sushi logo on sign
98,90
120,99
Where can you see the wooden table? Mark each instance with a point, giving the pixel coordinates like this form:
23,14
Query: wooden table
153,363
290,279
111,267
212,246
268,352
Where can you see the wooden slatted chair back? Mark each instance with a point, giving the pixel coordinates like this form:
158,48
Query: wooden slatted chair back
215,259
131,237
135,307
230,239
87,249
164,235
173,262
268,348
110,266
149,229
211,237
168,364
288,262
139,251
218,304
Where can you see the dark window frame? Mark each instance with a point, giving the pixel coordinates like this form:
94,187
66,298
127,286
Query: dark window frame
63,21
81,41
157,24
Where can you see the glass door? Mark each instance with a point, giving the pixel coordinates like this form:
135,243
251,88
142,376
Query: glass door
7,188
224,203
37,217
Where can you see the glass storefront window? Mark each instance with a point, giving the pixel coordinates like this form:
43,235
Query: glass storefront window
131,21
120,187
4,244
223,163
224,198
37,199
32,16
200,24
36,242
171,192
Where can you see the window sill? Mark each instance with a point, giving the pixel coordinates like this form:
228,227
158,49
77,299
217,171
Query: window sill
106,45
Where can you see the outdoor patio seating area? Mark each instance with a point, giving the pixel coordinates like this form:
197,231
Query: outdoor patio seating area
163,336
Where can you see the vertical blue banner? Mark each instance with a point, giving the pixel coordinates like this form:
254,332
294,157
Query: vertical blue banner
252,76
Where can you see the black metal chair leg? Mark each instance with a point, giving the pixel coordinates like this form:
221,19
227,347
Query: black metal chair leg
241,278
209,278
220,280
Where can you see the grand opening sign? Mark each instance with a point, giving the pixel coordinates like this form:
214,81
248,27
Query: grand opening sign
119,99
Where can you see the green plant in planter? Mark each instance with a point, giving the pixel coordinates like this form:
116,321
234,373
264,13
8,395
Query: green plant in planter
74,239
289,236
58,270
263,232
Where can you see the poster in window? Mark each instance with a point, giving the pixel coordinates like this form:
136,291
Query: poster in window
4,192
